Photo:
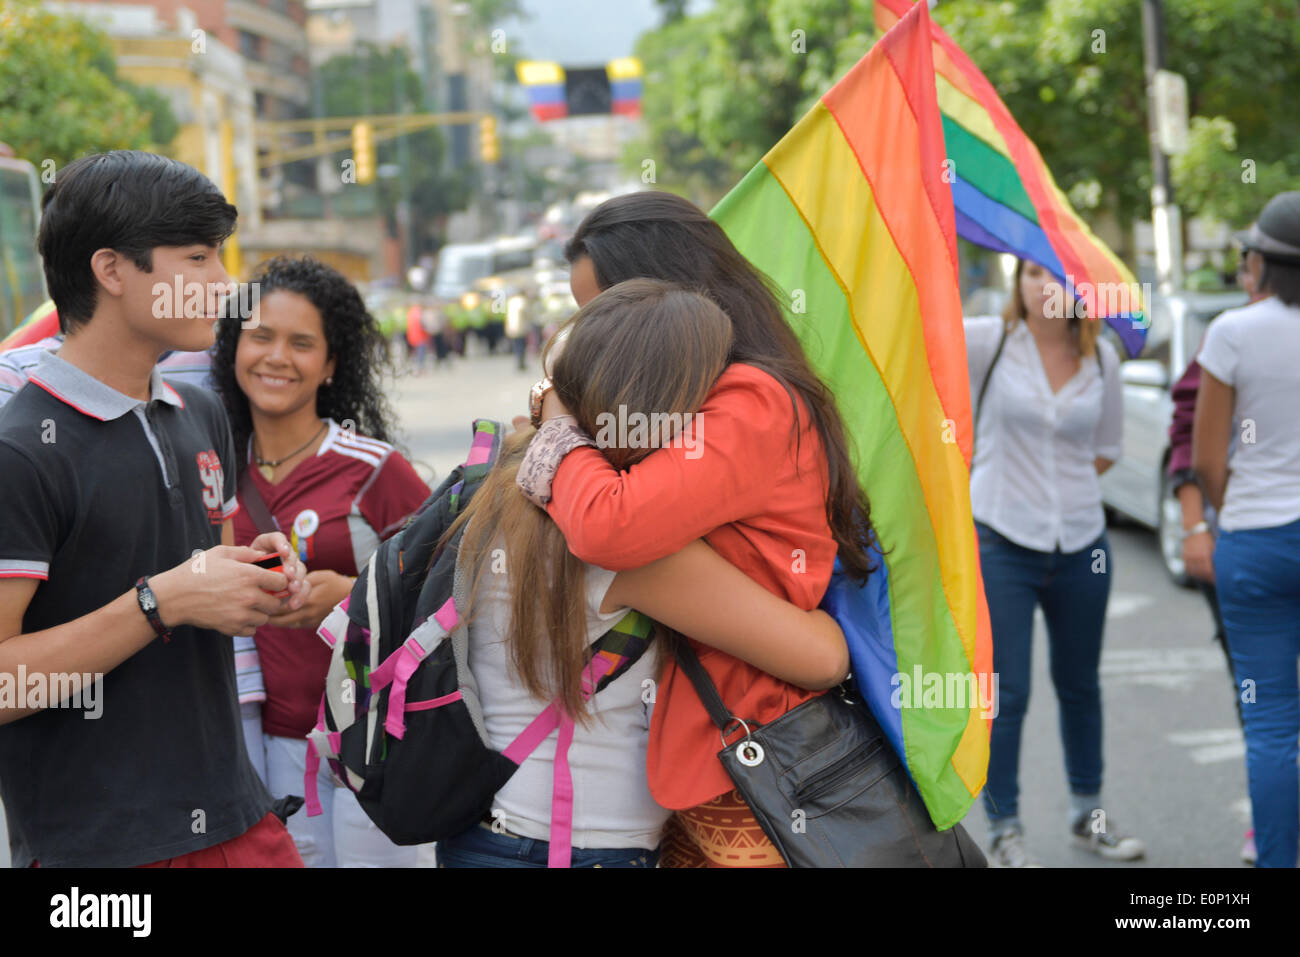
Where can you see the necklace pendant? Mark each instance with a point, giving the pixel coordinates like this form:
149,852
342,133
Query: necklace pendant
268,471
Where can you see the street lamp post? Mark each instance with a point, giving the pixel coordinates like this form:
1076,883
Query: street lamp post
1165,218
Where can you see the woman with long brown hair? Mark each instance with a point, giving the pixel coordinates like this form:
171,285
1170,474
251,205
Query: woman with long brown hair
638,363
1049,421
769,484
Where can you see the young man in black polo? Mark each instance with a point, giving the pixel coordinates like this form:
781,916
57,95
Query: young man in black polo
115,497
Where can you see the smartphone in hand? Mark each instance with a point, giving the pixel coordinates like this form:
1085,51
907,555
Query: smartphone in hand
276,564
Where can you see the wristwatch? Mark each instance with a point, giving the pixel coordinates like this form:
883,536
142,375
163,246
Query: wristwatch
149,605
535,398
1196,529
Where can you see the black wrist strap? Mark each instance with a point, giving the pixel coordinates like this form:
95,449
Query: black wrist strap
704,686
1181,477
155,620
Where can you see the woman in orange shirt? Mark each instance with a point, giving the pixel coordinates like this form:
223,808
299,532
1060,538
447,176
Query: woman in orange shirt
764,476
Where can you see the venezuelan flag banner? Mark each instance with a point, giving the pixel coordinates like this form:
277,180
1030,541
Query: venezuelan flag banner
625,86
1005,196
850,216
544,83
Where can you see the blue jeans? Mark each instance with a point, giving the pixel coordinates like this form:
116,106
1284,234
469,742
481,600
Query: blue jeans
1072,589
1258,574
481,847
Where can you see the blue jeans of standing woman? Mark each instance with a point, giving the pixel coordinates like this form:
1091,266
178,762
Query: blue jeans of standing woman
1258,574
1072,588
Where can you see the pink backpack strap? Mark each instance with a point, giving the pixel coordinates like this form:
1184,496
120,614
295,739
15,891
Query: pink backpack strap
311,774
310,779
561,853
538,730
528,740
401,664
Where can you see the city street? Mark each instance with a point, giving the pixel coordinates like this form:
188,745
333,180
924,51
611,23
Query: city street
1175,759
1174,755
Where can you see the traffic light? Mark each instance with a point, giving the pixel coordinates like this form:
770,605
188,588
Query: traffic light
363,152
489,147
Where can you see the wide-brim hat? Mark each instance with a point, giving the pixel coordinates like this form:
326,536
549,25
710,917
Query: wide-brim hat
1276,234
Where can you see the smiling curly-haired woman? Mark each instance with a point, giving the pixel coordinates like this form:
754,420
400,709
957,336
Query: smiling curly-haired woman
312,434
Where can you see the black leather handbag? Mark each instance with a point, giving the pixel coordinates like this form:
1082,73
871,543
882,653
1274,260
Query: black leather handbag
826,786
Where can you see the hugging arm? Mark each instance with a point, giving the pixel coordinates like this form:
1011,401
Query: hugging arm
622,520
699,593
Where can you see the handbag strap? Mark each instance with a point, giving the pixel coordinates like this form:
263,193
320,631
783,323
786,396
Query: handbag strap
256,505
988,375
704,686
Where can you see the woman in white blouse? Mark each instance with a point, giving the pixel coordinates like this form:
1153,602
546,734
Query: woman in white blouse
1049,421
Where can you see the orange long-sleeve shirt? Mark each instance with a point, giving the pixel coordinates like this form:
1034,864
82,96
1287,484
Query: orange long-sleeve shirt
758,503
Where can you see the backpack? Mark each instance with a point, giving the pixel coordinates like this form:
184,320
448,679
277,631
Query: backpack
401,722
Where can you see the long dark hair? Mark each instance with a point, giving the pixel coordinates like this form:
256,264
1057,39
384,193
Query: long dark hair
661,236
352,338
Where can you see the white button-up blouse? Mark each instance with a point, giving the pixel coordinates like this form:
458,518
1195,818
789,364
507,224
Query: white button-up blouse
1033,479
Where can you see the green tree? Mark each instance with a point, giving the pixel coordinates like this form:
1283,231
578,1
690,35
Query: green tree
60,95
723,86
672,10
378,81
1071,72
1216,178
484,13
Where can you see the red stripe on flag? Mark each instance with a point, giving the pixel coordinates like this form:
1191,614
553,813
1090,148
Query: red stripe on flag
890,119
550,111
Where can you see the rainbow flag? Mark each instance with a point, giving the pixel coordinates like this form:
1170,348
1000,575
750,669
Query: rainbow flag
849,215
42,323
1004,194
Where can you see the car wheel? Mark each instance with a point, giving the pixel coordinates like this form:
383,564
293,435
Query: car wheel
1170,532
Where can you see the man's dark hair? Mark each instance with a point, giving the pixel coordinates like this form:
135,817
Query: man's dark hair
128,201
1281,278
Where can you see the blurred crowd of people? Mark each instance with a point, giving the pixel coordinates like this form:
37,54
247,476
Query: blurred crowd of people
427,331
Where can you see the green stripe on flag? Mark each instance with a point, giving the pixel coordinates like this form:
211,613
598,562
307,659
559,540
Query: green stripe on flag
986,169
766,227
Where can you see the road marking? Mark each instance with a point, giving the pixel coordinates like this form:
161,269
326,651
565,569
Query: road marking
1123,603
1174,668
1211,745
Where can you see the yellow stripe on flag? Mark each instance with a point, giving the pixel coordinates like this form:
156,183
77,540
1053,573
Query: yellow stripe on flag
538,72
861,252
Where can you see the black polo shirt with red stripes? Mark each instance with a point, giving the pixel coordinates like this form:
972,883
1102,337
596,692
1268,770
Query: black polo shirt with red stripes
96,489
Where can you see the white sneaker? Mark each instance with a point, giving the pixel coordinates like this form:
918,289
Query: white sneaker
1009,850
1107,842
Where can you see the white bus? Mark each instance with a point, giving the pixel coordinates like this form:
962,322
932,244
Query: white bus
22,284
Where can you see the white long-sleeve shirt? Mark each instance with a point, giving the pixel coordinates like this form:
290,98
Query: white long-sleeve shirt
1033,479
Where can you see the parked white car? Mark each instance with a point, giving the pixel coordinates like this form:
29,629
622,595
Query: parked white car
1137,485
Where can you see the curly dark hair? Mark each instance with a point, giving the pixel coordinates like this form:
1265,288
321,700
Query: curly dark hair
352,337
